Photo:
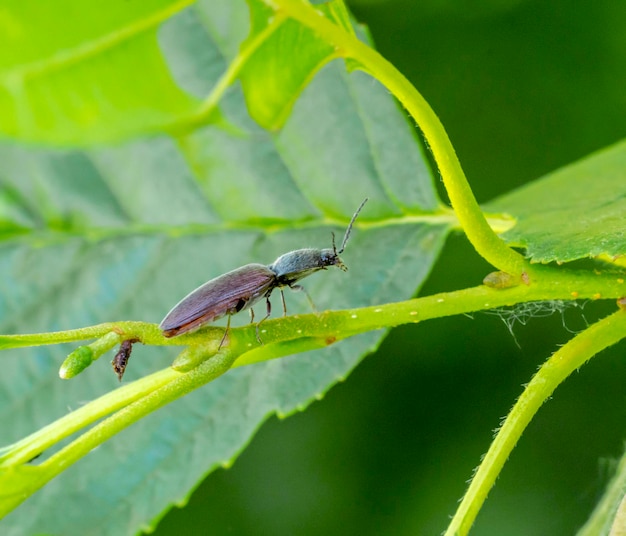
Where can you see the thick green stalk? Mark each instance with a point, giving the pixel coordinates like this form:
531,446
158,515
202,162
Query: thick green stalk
566,360
471,218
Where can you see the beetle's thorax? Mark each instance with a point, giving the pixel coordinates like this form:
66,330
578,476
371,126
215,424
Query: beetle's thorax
295,265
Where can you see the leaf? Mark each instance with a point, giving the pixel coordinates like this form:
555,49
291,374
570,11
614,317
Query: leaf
67,78
270,81
572,213
122,232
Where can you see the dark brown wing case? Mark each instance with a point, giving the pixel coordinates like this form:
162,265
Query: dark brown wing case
225,295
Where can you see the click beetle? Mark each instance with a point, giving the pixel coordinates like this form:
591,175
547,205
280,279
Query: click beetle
240,289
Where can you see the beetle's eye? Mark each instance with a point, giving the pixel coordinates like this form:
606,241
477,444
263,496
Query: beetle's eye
328,258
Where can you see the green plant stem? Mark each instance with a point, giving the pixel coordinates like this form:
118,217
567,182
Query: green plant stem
471,218
566,360
281,337
175,386
300,333
179,385
36,443
146,333
551,283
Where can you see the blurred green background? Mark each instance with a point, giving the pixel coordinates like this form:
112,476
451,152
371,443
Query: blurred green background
522,87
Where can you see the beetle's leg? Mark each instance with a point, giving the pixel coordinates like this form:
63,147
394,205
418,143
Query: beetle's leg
282,297
269,312
225,333
251,315
300,288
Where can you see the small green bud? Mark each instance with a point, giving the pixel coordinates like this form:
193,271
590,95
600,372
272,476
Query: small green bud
76,362
84,356
500,280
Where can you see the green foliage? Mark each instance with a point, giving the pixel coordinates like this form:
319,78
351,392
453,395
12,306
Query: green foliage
199,139
125,231
573,213
69,75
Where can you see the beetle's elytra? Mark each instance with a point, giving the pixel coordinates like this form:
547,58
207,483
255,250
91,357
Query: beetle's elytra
241,288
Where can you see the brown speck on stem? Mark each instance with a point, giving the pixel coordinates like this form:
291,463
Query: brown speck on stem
120,361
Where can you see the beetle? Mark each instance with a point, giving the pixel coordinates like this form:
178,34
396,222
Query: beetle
240,289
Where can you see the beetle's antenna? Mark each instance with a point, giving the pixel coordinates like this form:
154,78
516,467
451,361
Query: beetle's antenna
347,235
332,233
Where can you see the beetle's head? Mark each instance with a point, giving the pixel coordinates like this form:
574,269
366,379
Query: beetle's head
330,257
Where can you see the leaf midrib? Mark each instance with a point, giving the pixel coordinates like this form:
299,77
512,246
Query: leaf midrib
47,237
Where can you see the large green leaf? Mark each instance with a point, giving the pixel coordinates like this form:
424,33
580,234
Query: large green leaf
122,232
573,213
69,74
